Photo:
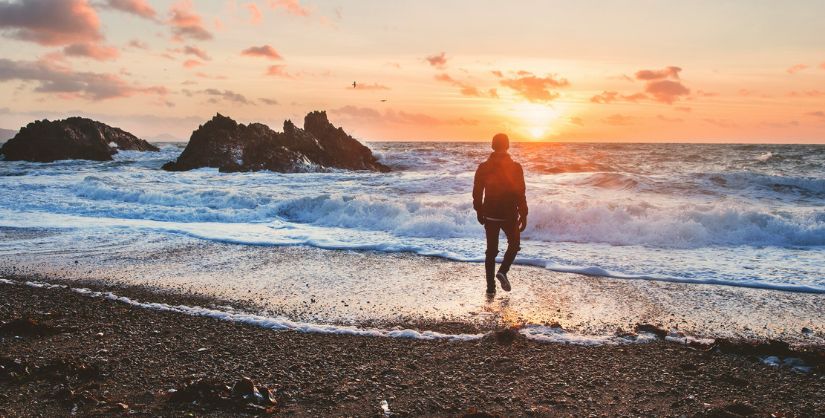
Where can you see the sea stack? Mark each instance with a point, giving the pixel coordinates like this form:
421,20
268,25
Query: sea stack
74,138
229,146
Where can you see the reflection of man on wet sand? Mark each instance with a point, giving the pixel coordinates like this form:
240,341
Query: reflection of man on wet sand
500,204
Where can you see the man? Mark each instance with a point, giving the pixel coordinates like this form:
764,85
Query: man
500,204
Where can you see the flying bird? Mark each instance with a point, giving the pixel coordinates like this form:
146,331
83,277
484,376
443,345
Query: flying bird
383,100
354,85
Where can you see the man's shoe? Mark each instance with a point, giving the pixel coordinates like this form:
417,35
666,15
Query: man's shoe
502,278
491,290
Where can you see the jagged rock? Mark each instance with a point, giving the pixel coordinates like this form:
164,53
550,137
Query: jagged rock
69,139
229,146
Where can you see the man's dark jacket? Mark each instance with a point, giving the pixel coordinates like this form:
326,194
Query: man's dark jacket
499,181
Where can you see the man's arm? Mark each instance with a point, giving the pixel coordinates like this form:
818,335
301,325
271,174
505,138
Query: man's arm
478,193
522,193
522,200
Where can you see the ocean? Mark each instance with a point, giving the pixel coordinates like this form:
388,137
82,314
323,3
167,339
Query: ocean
729,215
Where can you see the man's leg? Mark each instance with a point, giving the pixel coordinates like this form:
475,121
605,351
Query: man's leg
491,230
513,246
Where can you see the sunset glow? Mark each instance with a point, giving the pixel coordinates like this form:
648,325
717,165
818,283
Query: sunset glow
741,71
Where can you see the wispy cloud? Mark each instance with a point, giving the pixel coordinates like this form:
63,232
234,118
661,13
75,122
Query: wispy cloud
796,68
264,51
67,83
139,8
437,60
534,88
186,23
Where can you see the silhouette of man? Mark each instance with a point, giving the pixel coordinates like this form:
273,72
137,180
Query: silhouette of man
500,204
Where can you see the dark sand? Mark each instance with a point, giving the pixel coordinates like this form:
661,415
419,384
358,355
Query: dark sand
100,357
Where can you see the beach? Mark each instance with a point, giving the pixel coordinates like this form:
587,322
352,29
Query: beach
674,289
114,359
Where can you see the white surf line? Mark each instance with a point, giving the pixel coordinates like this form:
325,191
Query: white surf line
532,332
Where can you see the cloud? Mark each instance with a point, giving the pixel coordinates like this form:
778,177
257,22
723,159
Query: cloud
264,51
465,89
279,71
438,60
68,84
292,7
611,96
722,123
271,102
193,50
227,95
210,76
818,114
49,22
618,120
373,86
666,91
822,66
138,44
366,114
186,23
136,7
255,15
667,72
533,88
667,119
807,93
91,50
192,63
793,69
575,120
683,109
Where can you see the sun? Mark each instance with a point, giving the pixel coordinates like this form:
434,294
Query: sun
537,119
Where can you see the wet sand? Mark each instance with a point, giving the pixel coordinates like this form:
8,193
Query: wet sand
371,289
94,356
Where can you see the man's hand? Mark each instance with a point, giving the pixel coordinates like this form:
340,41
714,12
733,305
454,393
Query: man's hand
522,223
480,218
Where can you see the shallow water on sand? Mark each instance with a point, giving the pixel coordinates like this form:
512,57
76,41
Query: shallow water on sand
377,289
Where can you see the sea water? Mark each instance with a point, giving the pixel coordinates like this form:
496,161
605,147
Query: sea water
730,215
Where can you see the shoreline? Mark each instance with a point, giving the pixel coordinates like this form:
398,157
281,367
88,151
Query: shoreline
139,354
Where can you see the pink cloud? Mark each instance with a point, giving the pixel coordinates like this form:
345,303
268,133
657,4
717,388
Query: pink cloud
438,60
192,63
278,71
818,114
618,120
611,96
193,50
48,22
65,83
264,51
533,88
373,86
186,23
136,7
667,119
91,50
465,89
807,93
366,114
796,68
292,7
255,15
666,91
210,76
667,72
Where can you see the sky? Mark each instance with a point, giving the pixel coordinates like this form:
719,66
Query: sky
629,71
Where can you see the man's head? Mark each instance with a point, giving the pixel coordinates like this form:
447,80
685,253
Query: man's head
501,142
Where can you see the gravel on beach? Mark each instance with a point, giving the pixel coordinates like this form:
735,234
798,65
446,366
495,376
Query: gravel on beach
64,353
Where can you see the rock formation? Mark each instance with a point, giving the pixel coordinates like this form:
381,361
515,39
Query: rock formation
229,146
68,139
